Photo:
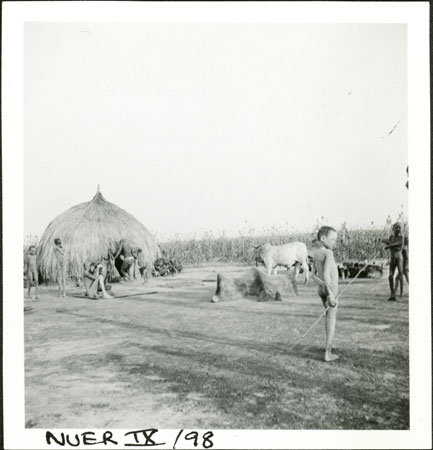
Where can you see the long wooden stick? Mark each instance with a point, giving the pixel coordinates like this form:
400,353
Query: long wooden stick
309,329
117,296
326,309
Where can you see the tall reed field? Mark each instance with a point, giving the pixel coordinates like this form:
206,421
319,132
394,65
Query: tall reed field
353,243
358,243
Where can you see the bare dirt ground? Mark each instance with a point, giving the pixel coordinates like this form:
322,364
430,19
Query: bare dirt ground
175,360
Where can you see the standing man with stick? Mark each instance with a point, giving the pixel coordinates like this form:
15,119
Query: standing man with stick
325,273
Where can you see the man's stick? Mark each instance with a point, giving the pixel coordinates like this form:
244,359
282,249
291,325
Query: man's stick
309,329
326,309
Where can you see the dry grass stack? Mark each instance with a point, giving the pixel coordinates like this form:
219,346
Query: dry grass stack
253,283
88,231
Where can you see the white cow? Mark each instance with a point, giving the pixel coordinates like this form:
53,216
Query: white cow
287,255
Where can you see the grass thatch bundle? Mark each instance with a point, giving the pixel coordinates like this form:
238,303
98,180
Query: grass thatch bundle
88,231
253,283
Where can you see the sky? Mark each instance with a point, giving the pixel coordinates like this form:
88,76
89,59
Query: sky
216,127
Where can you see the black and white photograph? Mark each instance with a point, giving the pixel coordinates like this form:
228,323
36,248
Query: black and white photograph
213,206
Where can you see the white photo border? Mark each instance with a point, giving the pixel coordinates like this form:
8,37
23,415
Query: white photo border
414,14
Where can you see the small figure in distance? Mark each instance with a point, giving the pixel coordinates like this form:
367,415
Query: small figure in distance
405,254
395,245
59,251
31,271
144,275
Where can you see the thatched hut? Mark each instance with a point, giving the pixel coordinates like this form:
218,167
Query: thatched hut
88,231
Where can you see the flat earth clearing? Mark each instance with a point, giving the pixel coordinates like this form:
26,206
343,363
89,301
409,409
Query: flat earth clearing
172,359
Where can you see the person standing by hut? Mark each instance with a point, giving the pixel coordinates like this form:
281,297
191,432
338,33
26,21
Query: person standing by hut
59,251
31,271
142,269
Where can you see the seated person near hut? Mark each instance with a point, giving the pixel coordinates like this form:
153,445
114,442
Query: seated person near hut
124,252
93,278
109,266
113,267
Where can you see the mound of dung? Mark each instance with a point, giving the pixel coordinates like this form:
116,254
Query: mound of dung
254,283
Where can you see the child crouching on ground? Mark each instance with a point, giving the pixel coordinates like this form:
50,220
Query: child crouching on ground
93,279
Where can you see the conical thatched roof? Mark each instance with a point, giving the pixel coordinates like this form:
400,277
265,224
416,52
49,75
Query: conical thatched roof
88,231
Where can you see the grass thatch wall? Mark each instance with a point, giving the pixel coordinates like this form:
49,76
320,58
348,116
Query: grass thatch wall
88,231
